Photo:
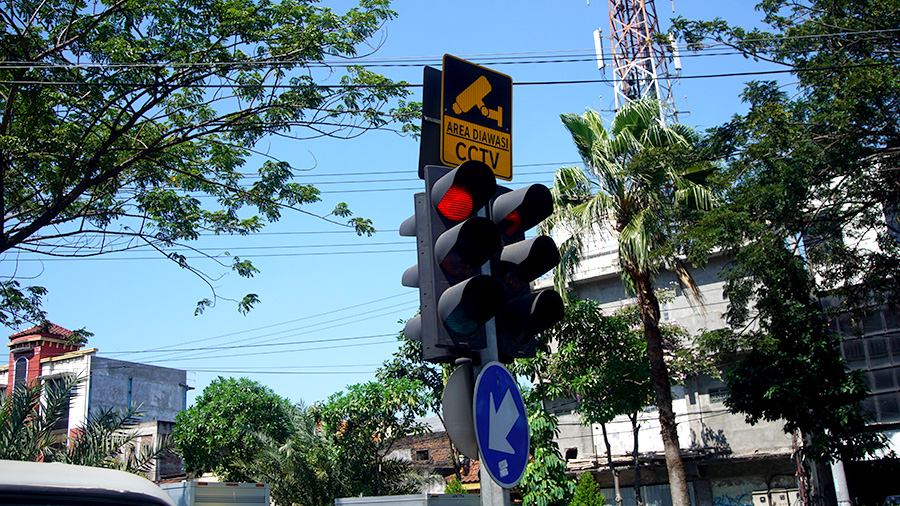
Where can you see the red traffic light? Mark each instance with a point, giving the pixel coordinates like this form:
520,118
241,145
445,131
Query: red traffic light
519,210
463,191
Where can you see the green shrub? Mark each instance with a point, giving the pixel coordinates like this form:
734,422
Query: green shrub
454,486
587,492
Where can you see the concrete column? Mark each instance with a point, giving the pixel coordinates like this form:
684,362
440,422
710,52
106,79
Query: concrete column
841,491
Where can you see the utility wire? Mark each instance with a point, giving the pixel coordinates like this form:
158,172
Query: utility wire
399,85
270,326
308,329
527,57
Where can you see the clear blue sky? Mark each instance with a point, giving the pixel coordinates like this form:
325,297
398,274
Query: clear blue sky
331,302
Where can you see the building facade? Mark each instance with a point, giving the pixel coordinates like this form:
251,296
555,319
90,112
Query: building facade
728,462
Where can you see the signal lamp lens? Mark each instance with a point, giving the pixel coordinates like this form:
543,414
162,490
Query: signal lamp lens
460,324
510,224
457,204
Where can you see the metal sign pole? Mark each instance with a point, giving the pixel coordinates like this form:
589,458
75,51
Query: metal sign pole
492,494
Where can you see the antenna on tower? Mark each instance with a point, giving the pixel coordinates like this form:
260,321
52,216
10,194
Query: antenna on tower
598,48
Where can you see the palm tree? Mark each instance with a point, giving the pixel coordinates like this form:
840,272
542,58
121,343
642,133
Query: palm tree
644,177
28,416
28,421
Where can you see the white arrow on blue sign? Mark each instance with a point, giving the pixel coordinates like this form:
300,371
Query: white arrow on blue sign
501,425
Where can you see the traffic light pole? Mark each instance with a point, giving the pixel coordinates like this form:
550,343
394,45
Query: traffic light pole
492,494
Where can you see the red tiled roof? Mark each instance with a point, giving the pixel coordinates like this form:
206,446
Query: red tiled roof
44,328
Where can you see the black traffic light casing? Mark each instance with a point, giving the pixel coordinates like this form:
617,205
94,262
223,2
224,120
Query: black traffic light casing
520,262
453,243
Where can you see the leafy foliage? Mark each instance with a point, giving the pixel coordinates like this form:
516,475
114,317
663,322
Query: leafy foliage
29,417
545,482
407,363
223,427
601,361
454,486
364,422
304,470
587,492
810,210
119,118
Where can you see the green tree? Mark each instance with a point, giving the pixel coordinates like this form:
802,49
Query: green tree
304,470
364,422
587,492
222,428
118,118
601,361
646,179
27,419
545,482
810,211
407,363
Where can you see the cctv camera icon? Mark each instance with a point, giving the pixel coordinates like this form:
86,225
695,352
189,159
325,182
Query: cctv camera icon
474,96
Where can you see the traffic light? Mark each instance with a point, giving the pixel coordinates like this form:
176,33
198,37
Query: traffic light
520,262
452,244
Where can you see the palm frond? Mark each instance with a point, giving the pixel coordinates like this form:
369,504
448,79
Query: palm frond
102,439
687,282
636,240
28,416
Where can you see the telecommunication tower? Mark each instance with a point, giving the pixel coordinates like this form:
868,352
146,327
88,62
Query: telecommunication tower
641,55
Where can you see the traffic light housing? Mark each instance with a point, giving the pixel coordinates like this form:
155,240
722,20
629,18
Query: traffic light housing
453,243
520,262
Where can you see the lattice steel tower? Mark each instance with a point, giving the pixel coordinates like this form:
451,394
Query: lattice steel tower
640,56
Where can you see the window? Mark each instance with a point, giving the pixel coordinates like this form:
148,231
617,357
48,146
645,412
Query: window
422,456
21,370
718,395
571,453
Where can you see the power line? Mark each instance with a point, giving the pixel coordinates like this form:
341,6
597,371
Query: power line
320,348
499,58
308,329
407,85
259,345
273,325
291,373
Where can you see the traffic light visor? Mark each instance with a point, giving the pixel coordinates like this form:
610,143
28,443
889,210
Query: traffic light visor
464,248
465,307
531,314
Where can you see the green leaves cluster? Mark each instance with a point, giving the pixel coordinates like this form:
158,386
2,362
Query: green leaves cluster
225,426
364,422
641,174
243,431
118,118
811,188
545,482
304,469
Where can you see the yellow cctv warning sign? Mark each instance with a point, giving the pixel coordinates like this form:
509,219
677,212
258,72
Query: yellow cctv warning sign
476,118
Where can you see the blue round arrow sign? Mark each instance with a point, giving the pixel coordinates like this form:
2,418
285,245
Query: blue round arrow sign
501,425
